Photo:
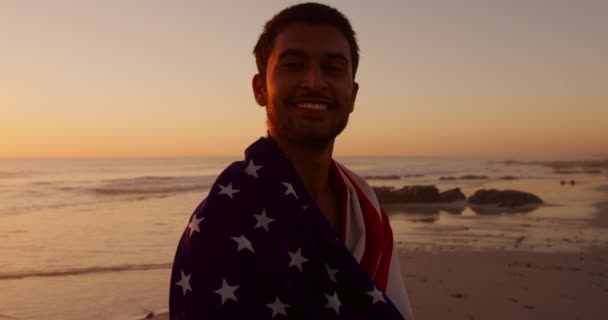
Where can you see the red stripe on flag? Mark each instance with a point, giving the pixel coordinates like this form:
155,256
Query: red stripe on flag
336,178
387,252
376,258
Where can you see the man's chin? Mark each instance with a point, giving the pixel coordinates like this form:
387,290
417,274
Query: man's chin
315,142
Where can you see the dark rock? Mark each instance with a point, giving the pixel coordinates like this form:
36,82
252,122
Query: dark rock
413,175
452,195
408,194
583,171
383,193
472,177
417,194
504,198
390,177
448,178
593,171
466,177
383,189
592,165
426,220
566,171
519,240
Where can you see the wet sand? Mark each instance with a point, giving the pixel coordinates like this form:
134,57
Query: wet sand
507,284
601,219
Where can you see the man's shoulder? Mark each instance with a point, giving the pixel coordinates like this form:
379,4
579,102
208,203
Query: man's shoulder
354,176
233,170
229,189
361,184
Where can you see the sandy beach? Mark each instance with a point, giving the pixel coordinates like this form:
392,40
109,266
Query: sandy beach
505,284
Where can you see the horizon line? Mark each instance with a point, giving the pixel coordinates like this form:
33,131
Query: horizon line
236,157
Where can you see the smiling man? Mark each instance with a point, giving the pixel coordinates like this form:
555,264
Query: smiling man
288,232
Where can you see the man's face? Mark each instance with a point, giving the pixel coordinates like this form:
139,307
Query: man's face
309,90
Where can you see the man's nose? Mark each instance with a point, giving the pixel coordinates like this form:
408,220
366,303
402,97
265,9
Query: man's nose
314,78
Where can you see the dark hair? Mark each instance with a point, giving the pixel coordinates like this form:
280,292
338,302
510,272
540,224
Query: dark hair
309,13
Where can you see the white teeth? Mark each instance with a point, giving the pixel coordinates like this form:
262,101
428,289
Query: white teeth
312,106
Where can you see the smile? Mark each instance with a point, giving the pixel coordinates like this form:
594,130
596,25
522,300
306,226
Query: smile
312,106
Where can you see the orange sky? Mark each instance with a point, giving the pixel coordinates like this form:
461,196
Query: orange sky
438,78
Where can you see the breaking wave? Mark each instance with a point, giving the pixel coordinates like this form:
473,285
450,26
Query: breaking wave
149,185
88,270
16,174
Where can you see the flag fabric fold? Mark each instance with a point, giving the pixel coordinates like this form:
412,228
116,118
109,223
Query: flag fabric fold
258,247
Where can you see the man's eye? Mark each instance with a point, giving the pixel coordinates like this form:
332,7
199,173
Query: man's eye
335,68
292,65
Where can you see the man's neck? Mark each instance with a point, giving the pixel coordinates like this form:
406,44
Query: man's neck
312,165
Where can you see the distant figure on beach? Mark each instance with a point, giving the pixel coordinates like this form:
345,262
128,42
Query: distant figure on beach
288,232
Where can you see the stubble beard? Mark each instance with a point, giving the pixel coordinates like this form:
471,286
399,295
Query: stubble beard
304,137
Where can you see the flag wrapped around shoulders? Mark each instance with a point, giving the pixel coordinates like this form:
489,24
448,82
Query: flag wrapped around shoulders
258,247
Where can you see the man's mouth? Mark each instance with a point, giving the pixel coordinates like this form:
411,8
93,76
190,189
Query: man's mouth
312,106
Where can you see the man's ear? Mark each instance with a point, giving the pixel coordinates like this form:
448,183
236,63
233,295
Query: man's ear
354,96
259,90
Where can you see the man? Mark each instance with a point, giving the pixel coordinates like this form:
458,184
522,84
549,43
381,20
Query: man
289,232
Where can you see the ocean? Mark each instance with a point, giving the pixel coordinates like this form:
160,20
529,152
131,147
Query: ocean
95,238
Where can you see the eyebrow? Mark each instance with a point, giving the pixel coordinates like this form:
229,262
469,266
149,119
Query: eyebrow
300,53
291,52
338,56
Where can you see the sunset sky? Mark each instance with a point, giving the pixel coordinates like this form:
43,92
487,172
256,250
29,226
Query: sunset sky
172,78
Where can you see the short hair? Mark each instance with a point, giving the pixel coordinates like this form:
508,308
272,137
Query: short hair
308,13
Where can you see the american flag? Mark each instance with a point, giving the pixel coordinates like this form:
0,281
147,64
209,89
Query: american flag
258,247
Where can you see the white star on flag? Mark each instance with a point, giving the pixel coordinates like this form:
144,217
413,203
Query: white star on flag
278,307
333,302
262,220
227,291
227,190
243,243
184,282
331,272
376,295
252,169
296,259
290,190
194,224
